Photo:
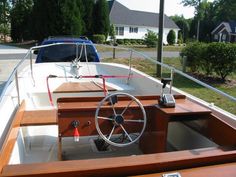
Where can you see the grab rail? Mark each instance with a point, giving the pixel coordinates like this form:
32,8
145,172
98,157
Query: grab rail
189,77
14,73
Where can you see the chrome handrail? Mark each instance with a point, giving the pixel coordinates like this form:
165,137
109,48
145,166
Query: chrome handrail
173,70
188,77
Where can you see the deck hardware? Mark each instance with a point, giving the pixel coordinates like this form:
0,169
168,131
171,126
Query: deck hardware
76,134
113,100
89,123
172,175
168,99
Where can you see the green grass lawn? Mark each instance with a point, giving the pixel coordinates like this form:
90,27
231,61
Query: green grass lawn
165,48
185,84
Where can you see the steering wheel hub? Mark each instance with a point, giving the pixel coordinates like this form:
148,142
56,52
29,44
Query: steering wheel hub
119,119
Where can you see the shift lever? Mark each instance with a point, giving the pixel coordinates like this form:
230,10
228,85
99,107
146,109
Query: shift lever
167,100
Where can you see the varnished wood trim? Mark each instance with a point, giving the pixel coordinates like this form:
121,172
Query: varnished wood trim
131,165
218,128
39,117
223,170
11,137
89,99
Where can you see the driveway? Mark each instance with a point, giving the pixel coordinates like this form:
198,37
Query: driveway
5,49
14,54
11,52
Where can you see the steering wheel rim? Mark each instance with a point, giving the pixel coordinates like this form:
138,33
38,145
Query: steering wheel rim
118,119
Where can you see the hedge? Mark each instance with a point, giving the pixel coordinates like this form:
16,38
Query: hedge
212,58
171,37
99,38
150,39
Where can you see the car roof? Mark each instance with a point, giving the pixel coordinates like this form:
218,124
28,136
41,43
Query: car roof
65,39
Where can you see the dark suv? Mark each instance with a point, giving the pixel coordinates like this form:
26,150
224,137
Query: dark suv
66,52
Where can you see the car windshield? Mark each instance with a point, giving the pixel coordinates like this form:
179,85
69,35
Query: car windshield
67,53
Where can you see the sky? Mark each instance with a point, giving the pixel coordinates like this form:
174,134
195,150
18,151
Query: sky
172,7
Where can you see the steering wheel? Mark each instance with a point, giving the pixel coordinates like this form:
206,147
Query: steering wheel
120,122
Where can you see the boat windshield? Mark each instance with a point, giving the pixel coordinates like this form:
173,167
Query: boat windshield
67,53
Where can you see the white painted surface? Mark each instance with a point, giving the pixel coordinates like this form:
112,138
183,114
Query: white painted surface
142,31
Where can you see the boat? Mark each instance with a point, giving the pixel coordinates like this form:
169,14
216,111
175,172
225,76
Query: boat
107,119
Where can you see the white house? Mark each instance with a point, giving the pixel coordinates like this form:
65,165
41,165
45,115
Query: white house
132,24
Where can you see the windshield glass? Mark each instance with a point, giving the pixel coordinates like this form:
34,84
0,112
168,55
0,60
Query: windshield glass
67,53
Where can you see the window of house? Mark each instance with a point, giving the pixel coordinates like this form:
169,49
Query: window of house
133,29
216,36
120,31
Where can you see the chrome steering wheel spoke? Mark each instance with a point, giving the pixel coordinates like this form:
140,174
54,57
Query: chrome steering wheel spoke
118,121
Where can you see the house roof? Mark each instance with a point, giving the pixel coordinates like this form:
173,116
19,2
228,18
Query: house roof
230,27
119,14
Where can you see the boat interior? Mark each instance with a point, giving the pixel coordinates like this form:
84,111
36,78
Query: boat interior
73,126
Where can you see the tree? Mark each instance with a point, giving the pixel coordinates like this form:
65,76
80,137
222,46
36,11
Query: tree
4,17
20,20
82,10
72,21
112,33
56,17
225,10
197,4
47,18
208,22
171,37
183,24
180,38
150,39
88,17
101,18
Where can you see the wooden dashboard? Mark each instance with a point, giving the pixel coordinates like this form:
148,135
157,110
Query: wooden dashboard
83,110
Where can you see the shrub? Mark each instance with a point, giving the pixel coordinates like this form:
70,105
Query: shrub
171,37
222,57
98,38
193,52
127,41
120,41
218,58
180,38
133,41
150,39
140,41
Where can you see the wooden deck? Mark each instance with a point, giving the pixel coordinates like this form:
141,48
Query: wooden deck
71,87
